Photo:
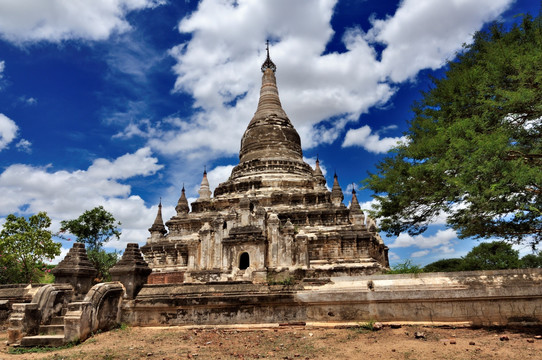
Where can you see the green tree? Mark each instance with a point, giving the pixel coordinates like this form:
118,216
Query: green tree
94,228
494,255
474,148
444,265
532,261
406,267
24,245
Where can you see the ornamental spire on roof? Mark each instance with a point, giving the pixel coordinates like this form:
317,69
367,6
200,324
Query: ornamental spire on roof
270,134
337,196
182,204
204,190
158,225
354,204
268,64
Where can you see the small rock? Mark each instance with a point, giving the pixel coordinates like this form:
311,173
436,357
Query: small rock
392,350
538,337
504,338
149,354
377,326
311,334
419,335
395,326
530,341
453,342
472,343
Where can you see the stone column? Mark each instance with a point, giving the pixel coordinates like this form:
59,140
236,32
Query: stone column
76,270
132,271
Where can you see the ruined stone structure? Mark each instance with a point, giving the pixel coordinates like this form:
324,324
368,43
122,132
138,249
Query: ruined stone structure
274,215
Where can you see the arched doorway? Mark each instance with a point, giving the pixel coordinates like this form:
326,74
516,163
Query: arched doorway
244,261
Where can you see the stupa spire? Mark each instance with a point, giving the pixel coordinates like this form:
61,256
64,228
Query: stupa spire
182,204
337,195
270,134
268,64
158,226
354,204
320,179
204,189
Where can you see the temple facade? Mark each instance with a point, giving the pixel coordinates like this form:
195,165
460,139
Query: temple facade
273,216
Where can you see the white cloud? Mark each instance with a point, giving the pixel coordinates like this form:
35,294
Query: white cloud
393,256
442,239
57,20
425,33
24,145
65,195
8,131
420,253
371,142
2,67
218,175
321,93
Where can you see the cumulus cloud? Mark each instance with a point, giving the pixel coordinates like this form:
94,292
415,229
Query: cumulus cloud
425,33
420,253
57,20
65,195
2,67
24,146
442,238
8,131
218,175
321,92
371,142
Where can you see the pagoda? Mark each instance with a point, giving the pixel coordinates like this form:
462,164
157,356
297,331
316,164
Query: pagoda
273,216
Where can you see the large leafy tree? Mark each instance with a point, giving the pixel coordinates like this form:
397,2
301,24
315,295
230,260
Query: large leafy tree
494,255
94,228
24,245
474,149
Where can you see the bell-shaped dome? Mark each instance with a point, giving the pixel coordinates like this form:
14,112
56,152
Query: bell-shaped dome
270,134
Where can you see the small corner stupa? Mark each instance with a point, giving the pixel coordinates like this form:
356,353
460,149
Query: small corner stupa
274,215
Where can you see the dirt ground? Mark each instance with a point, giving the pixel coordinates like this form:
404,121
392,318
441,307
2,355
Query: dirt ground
299,342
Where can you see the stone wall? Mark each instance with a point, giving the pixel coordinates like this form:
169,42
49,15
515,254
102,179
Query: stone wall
481,297
12,294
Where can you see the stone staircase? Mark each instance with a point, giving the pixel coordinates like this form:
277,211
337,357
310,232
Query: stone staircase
51,334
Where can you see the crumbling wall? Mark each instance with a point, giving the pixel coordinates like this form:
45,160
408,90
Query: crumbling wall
502,297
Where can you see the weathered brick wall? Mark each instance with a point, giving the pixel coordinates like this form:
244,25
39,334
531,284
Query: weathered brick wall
166,278
481,297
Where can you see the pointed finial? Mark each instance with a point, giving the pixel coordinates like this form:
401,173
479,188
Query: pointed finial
353,189
183,188
204,169
160,203
268,64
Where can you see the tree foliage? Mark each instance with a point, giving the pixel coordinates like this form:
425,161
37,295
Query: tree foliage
406,267
494,255
445,265
474,147
93,228
24,245
532,261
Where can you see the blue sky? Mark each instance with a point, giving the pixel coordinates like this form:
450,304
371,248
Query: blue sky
120,102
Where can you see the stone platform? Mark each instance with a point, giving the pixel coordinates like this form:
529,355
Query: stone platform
485,298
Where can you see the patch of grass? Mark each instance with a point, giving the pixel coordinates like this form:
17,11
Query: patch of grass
365,327
39,349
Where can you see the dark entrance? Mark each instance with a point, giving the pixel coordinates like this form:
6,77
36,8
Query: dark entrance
244,261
